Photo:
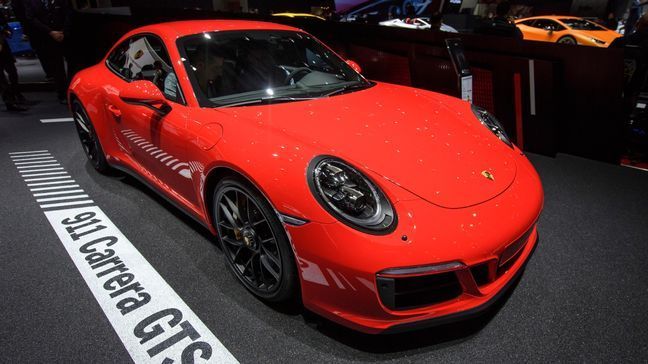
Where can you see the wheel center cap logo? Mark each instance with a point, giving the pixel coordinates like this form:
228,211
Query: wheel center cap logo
488,175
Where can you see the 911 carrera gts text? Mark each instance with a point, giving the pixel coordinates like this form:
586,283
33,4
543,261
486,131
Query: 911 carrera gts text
128,294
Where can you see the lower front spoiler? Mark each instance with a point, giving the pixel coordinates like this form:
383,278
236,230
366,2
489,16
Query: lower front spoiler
463,315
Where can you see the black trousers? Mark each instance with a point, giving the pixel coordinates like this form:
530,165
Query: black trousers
9,89
53,53
5,89
37,46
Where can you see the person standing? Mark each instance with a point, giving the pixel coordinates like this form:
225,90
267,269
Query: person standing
11,95
18,7
47,19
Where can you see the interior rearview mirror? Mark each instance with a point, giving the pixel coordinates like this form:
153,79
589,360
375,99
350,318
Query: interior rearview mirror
145,93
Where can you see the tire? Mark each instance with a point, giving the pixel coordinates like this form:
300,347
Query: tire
256,243
89,138
567,39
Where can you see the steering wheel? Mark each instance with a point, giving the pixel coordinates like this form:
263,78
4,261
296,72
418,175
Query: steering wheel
295,72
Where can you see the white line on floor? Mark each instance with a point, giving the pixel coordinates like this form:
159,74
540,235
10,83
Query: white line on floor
51,188
61,198
70,180
31,159
20,168
28,152
14,157
57,120
42,174
43,194
62,204
35,163
46,178
40,170
635,167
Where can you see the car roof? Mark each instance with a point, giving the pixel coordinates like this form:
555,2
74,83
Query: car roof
178,29
552,17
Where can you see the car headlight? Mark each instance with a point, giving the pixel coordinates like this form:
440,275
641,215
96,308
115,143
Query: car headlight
488,120
350,196
597,41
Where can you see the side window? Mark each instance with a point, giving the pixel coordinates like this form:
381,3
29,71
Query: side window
117,59
547,24
150,61
146,58
529,22
555,26
541,23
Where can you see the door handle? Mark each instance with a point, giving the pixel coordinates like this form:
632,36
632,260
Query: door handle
115,111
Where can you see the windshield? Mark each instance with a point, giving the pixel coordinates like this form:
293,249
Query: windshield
581,24
245,67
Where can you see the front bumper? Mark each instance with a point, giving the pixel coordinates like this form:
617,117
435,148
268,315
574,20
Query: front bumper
341,269
471,312
353,299
412,287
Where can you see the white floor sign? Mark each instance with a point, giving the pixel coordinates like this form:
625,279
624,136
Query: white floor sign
152,321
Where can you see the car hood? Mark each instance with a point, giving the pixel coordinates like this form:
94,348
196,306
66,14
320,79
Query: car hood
429,144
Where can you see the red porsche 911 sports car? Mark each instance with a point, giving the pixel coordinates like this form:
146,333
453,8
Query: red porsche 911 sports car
382,207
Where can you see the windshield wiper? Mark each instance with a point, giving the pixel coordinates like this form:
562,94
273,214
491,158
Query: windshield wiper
347,88
267,100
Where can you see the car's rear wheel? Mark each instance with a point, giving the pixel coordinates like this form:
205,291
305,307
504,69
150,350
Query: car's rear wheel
254,241
89,139
568,39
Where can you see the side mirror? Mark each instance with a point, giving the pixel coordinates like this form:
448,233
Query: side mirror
356,67
145,93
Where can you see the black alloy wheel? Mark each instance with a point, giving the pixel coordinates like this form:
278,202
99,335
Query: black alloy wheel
88,137
254,241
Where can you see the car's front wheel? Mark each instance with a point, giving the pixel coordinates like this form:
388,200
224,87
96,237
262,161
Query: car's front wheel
254,241
89,139
568,39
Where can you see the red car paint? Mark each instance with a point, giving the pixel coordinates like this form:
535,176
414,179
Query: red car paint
425,150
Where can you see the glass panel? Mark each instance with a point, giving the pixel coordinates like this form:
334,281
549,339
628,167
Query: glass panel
237,67
581,24
146,58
